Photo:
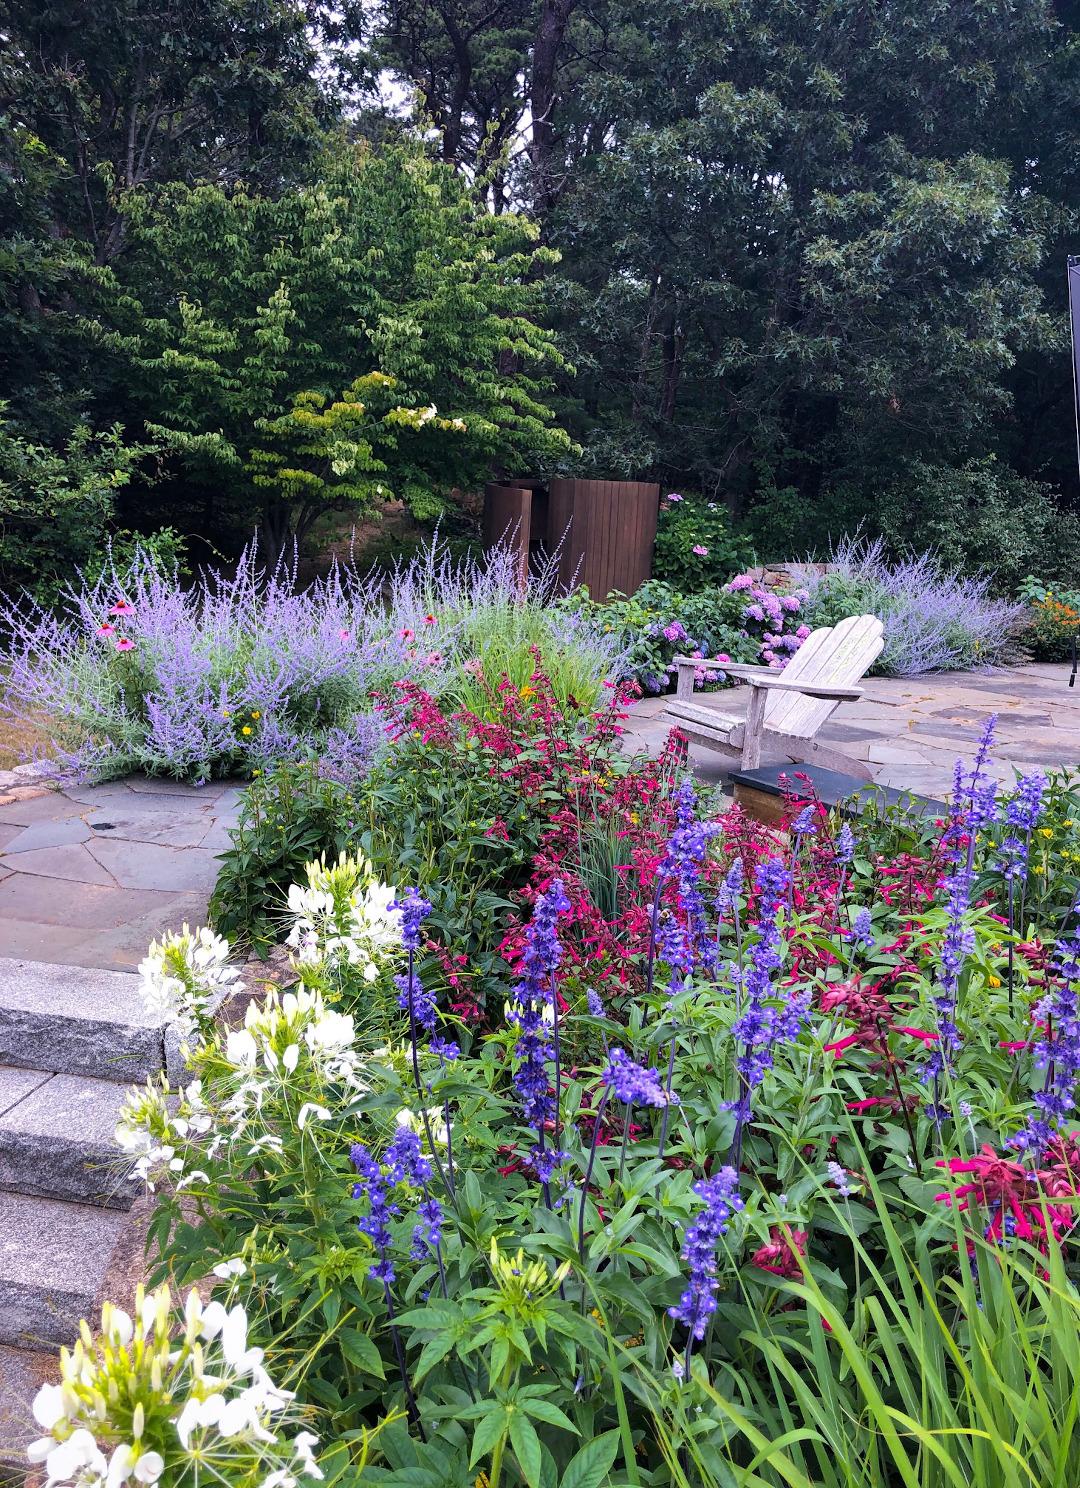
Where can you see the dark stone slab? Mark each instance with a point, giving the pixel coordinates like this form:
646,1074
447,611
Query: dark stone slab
53,1258
834,789
17,1084
22,1373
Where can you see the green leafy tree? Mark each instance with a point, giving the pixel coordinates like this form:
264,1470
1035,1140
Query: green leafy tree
57,506
372,334
133,92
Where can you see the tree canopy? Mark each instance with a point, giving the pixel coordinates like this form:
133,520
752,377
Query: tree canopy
797,257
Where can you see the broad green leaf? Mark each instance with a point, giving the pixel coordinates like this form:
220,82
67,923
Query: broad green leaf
589,1467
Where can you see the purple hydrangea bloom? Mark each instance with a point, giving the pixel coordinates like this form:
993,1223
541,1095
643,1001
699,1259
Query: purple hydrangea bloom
720,1196
633,1084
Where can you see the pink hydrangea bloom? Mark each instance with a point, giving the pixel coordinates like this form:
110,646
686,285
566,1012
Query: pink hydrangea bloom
790,601
754,612
741,581
673,496
802,632
700,551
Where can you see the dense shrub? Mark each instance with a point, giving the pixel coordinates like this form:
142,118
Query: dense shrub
980,517
58,506
935,619
291,814
695,546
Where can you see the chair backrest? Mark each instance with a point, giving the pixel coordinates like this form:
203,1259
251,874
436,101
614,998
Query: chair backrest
839,655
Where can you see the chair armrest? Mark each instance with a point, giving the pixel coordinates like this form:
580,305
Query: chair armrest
774,682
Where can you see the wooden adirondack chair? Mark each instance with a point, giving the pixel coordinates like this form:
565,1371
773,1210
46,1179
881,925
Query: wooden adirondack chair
786,708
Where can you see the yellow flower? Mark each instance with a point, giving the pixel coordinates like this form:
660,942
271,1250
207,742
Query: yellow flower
1047,831
255,714
1037,868
246,729
995,981
526,693
224,712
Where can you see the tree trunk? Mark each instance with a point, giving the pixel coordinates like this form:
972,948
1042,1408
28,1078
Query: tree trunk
554,19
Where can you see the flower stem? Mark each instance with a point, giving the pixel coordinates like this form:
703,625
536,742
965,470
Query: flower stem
588,1176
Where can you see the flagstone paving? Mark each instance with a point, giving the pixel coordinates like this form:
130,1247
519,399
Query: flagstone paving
90,875
911,731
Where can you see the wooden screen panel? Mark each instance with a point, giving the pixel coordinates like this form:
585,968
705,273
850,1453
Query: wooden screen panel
508,519
609,527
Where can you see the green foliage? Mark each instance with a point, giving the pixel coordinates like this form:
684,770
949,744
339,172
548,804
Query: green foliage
246,316
57,506
982,516
290,816
695,547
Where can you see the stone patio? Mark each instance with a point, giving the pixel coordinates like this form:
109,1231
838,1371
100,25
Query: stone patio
90,875
911,731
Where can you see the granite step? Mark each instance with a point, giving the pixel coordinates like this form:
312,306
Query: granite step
76,1021
56,1138
53,1260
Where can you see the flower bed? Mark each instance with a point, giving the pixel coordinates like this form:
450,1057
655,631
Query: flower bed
237,673
710,1153
743,621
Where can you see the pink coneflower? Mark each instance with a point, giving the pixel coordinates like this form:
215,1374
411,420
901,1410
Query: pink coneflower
122,608
404,635
105,630
429,619
123,644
